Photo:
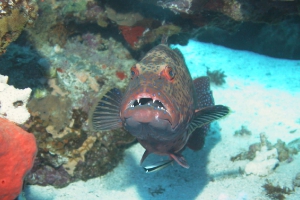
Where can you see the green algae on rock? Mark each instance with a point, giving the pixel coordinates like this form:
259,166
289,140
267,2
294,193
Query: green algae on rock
14,17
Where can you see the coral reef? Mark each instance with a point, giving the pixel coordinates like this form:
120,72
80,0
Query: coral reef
17,153
150,36
276,192
123,19
78,155
13,102
239,10
132,34
58,20
133,24
138,36
53,110
84,68
14,16
284,151
77,50
183,6
72,153
89,63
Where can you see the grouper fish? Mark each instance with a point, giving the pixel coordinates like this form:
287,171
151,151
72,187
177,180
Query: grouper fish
162,107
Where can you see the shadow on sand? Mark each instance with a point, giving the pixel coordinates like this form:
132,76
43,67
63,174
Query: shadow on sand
173,182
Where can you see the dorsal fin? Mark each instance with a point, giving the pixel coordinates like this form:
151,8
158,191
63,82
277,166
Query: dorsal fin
178,52
204,97
206,113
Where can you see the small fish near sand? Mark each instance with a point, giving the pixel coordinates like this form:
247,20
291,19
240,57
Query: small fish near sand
162,107
158,166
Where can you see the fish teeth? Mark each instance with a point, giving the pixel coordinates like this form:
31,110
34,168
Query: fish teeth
138,100
153,100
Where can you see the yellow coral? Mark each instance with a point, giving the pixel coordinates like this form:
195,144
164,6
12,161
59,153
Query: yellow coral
78,155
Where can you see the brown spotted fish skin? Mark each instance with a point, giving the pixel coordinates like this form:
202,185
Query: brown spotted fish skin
176,94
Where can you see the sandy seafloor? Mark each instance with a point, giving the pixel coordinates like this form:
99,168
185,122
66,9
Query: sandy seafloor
263,94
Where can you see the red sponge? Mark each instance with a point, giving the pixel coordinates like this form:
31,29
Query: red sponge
17,153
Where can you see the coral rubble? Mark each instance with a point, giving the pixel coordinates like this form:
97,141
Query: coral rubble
13,102
276,192
265,160
296,181
17,154
217,76
263,163
242,132
284,152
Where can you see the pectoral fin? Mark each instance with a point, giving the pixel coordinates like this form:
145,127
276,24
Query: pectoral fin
197,138
207,115
146,153
105,115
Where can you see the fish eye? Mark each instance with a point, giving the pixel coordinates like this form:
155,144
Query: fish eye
171,73
134,71
168,73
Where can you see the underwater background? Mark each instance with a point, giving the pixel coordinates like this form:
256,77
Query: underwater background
71,52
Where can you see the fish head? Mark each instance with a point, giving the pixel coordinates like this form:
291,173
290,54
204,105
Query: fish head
147,103
151,106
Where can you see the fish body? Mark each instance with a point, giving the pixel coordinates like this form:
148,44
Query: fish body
162,106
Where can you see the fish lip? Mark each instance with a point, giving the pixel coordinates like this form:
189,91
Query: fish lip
154,95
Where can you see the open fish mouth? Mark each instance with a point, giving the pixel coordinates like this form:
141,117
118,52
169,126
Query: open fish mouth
148,107
148,102
145,109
